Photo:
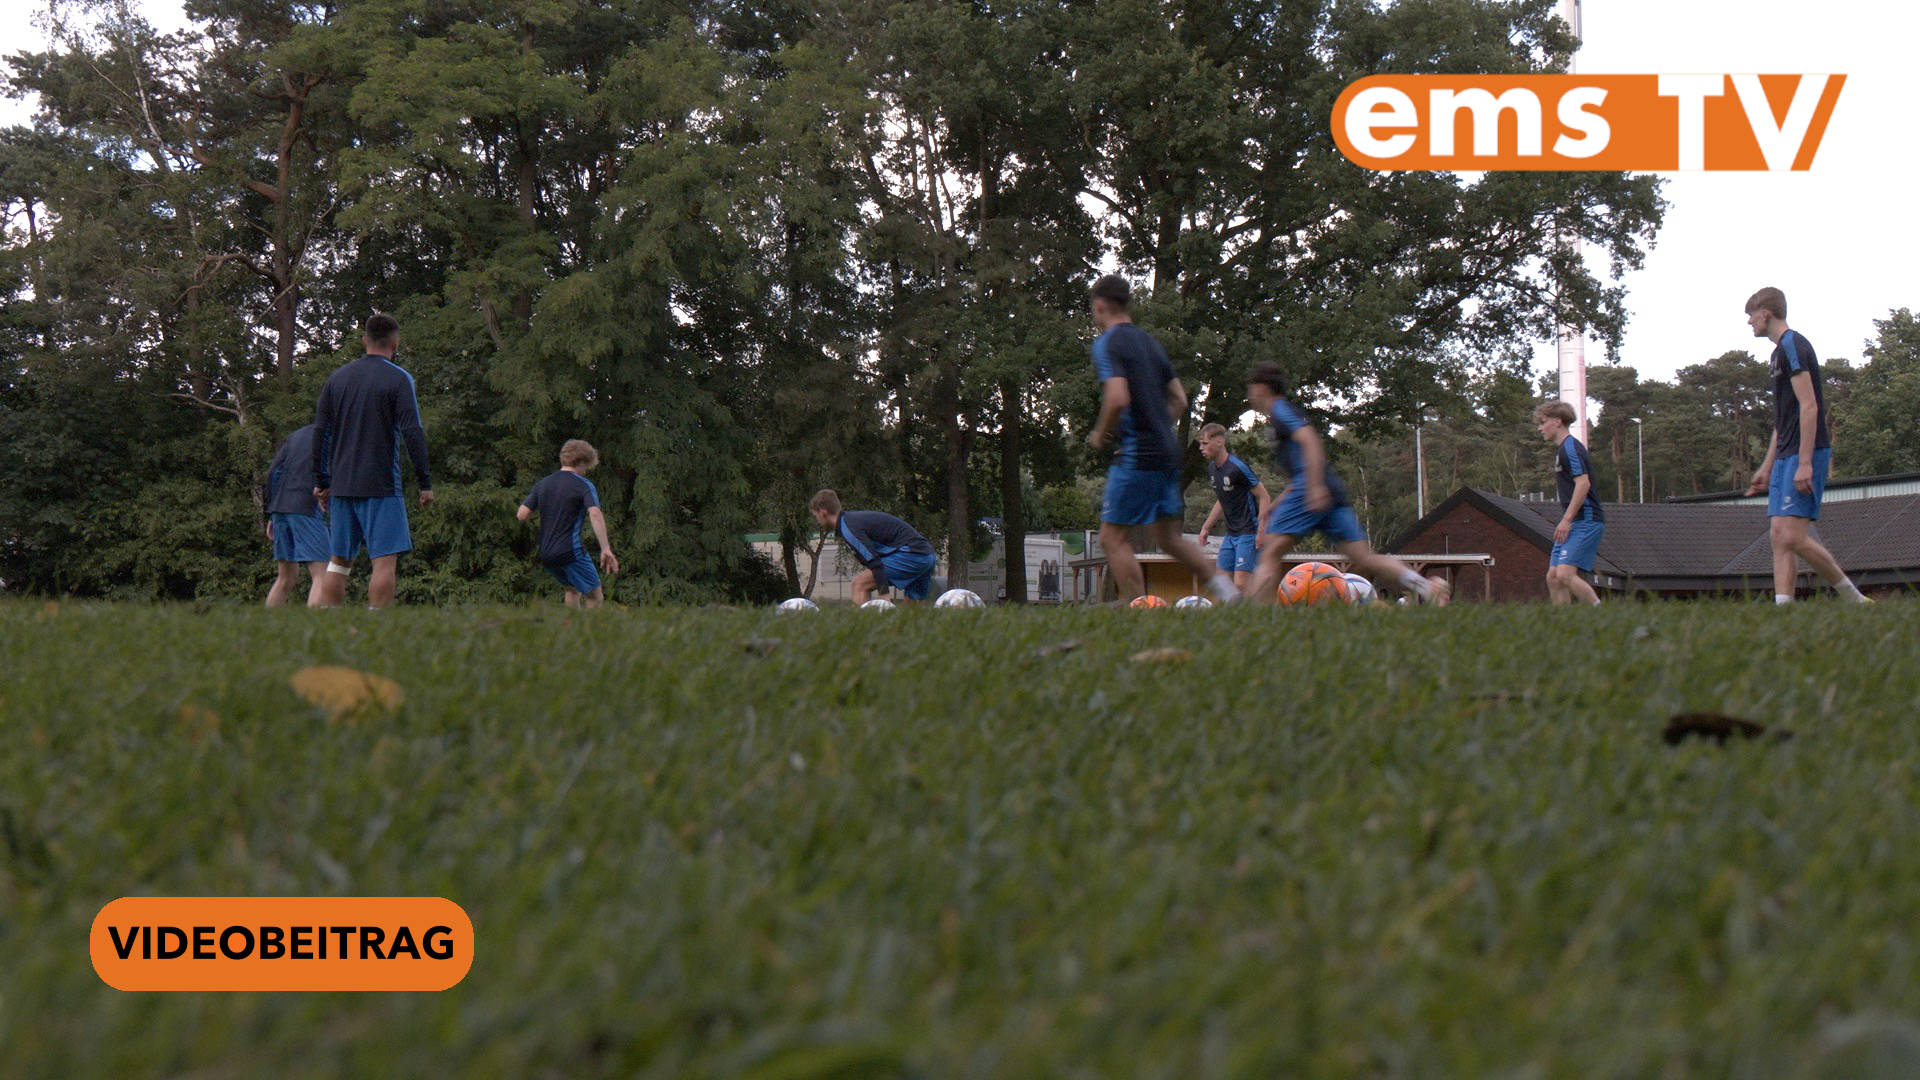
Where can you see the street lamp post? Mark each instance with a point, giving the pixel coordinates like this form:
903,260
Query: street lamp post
1640,446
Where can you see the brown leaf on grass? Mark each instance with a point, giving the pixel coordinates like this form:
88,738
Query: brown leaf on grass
1718,728
343,691
198,723
50,609
1057,648
1164,655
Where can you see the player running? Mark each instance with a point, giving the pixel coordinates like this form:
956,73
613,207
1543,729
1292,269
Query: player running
1576,538
1141,398
1794,475
561,498
365,410
1241,499
1316,499
295,525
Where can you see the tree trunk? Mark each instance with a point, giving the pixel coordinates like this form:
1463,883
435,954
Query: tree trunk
1013,513
959,514
788,537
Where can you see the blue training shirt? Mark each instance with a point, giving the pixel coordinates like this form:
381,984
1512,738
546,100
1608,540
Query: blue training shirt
1233,484
290,477
366,410
1290,459
1570,464
1147,439
873,535
1793,355
561,499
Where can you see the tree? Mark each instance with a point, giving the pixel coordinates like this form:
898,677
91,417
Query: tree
1872,433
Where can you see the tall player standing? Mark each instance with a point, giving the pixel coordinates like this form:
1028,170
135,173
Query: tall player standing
1140,398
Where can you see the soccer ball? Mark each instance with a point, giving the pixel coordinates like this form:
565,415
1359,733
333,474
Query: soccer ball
959,598
799,603
1314,583
1193,602
1361,588
1147,600
878,603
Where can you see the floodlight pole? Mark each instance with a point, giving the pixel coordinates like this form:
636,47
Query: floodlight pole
1420,473
1640,443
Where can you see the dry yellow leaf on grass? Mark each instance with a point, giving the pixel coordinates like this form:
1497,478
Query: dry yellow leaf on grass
342,690
1168,655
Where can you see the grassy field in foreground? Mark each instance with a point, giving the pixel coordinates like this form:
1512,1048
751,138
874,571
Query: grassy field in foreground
713,843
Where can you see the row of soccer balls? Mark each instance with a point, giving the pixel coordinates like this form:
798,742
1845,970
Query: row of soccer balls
1306,584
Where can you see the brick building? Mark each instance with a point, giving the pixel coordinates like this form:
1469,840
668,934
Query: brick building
1674,549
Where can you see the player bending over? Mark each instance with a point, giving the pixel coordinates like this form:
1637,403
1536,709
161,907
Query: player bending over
560,498
894,553
1794,475
295,525
1577,537
1142,398
1316,499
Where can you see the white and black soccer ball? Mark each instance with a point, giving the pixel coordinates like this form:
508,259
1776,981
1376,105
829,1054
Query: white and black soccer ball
878,603
959,598
1193,602
1359,589
799,603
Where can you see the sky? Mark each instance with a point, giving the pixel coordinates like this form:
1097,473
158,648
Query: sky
1839,238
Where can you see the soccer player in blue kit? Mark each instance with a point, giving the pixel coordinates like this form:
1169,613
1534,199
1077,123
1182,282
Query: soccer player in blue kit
1316,500
1576,538
366,410
1241,504
562,499
1140,399
295,525
894,553
1794,475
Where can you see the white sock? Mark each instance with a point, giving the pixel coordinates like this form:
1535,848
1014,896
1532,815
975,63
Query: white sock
1224,590
1782,599
1416,584
1848,589
1596,602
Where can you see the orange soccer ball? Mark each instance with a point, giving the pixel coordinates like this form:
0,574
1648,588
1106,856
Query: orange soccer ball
1147,601
1315,583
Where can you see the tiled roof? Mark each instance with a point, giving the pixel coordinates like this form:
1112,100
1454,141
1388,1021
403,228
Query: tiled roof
1878,536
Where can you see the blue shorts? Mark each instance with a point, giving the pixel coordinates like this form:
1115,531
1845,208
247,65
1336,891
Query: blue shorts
1290,517
299,538
1785,500
907,571
577,573
1141,496
1583,541
1238,553
379,521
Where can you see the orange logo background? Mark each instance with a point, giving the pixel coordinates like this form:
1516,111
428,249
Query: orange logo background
281,943
1640,123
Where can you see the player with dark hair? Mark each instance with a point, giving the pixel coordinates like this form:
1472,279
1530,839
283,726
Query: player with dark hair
1316,500
295,525
1141,398
366,410
1794,474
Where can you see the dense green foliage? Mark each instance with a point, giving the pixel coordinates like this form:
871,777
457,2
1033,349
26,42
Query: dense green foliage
746,249
1395,842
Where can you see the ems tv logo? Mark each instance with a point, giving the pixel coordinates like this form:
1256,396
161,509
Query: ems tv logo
1635,123
281,943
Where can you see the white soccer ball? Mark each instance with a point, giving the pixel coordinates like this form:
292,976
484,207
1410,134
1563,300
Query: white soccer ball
878,603
1193,602
959,598
1359,589
799,603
